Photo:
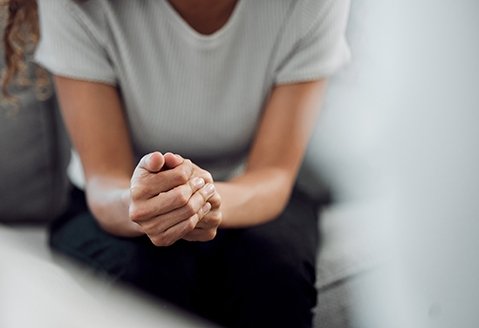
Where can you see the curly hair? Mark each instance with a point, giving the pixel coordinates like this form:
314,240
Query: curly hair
21,35
20,38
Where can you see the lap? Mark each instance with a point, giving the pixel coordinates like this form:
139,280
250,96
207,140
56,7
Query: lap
289,241
268,271
187,273
166,272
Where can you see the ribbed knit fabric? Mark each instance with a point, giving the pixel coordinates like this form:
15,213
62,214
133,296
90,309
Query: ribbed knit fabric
197,95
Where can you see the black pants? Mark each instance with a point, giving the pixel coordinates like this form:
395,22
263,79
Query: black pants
255,277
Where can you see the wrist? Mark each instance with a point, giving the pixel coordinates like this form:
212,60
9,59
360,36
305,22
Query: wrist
253,199
110,208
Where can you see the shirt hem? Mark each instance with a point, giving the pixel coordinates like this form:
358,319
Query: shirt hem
76,75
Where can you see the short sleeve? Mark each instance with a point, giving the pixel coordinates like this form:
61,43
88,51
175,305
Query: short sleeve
314,44
70,43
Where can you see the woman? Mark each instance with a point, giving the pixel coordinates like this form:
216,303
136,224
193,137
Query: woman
191,119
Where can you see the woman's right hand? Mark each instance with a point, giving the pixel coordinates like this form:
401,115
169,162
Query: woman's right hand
168,197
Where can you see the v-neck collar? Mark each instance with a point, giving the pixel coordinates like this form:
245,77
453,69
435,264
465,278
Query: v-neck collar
187,28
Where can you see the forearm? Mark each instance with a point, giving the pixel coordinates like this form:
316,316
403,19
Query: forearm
109,199
255,197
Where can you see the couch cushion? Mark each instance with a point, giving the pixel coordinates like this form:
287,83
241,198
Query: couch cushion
34,152
346,245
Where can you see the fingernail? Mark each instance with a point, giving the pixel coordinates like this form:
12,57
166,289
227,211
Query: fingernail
210,188
198,182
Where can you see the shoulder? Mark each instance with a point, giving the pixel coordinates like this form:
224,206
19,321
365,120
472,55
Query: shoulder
75,15
307,16
315,11
317,7
92,10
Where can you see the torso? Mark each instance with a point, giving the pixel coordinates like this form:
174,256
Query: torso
193,89
199,95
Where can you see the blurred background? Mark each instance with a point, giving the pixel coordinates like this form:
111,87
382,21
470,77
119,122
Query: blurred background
398,141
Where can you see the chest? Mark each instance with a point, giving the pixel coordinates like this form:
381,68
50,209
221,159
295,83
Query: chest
204,16
199,95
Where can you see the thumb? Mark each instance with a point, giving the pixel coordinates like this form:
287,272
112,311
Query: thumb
172,160
152,162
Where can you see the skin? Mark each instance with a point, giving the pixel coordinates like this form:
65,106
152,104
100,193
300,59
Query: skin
166,196
205,16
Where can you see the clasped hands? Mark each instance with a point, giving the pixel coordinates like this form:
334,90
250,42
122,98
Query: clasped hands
171,198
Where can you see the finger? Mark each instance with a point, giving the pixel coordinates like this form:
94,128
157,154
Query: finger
204,211
161,218
152,163
202,173
211,220
185,199
215,200
156,208
172,160
148,185
174,177
200,235
173,234
161,235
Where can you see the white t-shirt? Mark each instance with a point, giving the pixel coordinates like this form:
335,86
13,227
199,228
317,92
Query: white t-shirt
197,95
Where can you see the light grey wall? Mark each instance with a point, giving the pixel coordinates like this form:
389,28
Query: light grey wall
401,125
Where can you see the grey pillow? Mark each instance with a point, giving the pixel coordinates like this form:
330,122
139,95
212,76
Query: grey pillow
34,153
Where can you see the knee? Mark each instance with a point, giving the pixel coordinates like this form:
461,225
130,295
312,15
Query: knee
81,239
272,257
272,277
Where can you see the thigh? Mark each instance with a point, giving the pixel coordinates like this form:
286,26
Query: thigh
165,272
291,240
266,274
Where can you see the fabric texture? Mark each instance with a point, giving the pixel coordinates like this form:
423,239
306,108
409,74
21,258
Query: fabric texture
171,77
256,277
34,153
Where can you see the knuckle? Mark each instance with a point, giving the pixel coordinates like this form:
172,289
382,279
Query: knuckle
161,241
149,232
150,229
206,176
215,200
156,241
216,218
211,234
182,196
136,213
190,209
182,176
185,170
190,224
137,191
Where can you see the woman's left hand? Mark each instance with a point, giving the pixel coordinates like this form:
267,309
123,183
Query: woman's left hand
207,227
208,224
